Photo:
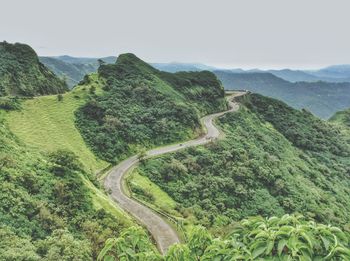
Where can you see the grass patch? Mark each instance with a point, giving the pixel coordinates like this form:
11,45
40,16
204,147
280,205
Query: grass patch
159,198
102,201
49,124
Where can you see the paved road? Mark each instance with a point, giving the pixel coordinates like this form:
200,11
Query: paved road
162,232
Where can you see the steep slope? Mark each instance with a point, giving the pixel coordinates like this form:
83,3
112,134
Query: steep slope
48,124
22,74
144,107
321,98
50,208
273,160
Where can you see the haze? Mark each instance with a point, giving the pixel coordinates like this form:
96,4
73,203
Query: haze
225,33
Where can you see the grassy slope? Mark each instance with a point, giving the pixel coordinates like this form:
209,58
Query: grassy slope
161,198
35,201
48,124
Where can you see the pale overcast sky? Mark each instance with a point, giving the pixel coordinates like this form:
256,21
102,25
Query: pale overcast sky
230,33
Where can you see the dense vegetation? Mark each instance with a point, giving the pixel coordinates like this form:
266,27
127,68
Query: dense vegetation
143,107
273,160
342,117
46,210
321,98
22,74
285,238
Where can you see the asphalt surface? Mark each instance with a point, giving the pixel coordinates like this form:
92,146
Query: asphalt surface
162,232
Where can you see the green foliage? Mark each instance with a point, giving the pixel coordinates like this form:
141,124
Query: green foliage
141,109
14,247
132,244
290,237
342,117
62,245
46,210
300,127
10,103
22,74
258,169
60,97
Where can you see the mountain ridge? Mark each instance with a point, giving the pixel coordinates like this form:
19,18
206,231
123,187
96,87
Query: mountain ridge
22,74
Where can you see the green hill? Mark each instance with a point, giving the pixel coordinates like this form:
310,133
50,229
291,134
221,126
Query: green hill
273,160
144,107
22,74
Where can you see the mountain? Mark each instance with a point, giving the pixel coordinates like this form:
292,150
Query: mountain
71,72
22,74
272,160
52,206
85,60
321,98
335,72
145,107
73,69
295,75
181,67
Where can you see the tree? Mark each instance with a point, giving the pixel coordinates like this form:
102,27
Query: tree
6,161
60,97
64,161
61,245
92,90
133,244
142,154
101,62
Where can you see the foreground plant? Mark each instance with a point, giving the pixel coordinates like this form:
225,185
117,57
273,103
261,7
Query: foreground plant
290,237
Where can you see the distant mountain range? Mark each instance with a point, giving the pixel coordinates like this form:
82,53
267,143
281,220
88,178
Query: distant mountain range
74,68
323,91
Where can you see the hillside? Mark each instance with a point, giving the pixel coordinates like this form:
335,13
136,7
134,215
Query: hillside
321,98
48,124
50,207
342,117
273,160
144,107
22,74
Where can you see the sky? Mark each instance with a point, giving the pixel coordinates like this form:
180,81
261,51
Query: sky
224,33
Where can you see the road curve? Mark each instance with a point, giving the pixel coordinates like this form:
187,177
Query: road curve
162,232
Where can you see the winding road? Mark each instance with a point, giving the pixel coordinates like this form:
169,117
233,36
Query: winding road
162,232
